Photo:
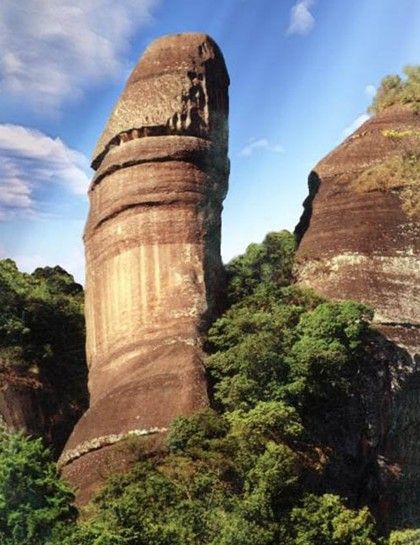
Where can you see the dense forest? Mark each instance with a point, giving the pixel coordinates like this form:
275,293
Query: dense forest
287,371
290,377
42,352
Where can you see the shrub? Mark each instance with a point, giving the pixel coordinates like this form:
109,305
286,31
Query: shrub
396,90
34,502
399,172
325,520
400,134
405,537
267,263
197,430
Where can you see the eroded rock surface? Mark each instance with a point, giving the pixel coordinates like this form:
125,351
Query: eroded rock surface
154,273
360,239
357,241
38,408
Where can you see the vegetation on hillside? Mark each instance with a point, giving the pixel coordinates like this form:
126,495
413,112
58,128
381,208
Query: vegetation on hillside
268,263
42,340
396,90
399,172
34,503
286,369
405,537
41,322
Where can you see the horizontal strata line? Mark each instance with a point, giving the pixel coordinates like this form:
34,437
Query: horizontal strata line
133,162
142,132
143,204
130,351
104,441
407,325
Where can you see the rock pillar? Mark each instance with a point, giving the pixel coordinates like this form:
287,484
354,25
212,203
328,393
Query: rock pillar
154,276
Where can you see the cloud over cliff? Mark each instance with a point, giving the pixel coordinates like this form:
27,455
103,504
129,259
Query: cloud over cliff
50,51
30,161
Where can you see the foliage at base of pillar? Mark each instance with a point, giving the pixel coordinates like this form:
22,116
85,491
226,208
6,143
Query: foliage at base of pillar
405,537
288,371
34,503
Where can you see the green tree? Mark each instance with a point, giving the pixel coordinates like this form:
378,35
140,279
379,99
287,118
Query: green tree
42,319
269,262
42,338
199,430
34,502
172,501
405,537
324,520
329,351
396,90
267,421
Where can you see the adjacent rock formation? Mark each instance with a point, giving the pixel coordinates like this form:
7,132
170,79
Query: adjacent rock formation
21,407
38,407
360,232
359,238
154,273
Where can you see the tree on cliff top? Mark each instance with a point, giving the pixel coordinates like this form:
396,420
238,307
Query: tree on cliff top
41,323
397,90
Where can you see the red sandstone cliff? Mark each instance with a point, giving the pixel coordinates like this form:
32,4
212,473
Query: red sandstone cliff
154,273
359,238
360,233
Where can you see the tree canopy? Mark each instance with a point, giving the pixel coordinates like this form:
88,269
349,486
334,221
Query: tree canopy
286,369
34,503
42,342
396,90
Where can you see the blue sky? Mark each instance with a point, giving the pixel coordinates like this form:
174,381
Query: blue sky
302,75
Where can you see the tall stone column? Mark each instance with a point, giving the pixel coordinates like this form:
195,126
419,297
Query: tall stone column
154,276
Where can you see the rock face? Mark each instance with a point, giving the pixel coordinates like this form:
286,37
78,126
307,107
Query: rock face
154,274
21,407
359,238
37,408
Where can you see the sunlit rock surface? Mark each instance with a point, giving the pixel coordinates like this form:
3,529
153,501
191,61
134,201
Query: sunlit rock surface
360,239
154,273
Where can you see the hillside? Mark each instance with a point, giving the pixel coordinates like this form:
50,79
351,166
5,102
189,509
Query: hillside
359,238
43,375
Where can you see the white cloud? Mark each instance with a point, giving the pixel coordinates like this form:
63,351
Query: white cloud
355,124
370,90
260,144
301,19
29,161
51,51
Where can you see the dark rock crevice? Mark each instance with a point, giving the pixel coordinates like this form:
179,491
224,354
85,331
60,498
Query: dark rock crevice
305,219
